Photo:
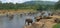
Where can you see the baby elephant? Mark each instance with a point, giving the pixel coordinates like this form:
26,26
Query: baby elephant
11,17
28,21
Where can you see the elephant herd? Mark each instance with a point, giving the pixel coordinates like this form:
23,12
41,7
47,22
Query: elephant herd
11,16
38,18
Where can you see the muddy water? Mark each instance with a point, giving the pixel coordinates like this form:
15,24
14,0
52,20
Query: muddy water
16,22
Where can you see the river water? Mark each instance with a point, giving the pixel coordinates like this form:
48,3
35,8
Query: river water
16,22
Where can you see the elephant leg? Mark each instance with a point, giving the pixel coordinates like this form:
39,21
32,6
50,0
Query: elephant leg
28,23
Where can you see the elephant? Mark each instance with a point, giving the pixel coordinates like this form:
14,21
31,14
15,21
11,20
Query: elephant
28,21
10,17
38,18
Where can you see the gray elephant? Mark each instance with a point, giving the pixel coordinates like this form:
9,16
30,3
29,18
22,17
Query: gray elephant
28,21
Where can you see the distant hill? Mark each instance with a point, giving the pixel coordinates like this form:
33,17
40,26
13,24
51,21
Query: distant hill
40,2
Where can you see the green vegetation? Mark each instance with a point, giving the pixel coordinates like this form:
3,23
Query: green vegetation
57,5
35,5
56,26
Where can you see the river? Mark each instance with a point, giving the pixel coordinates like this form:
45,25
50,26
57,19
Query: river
16,22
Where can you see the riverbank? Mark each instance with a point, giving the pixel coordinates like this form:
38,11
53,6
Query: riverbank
3,12
44,23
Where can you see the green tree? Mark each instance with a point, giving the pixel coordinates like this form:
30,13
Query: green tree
40,8
57,5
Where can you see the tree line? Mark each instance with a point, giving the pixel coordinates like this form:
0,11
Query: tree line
16,6
28,6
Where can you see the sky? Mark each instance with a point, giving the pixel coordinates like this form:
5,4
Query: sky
21,1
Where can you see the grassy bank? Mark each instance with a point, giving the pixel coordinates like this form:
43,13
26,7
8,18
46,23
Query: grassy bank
56,26
12,11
